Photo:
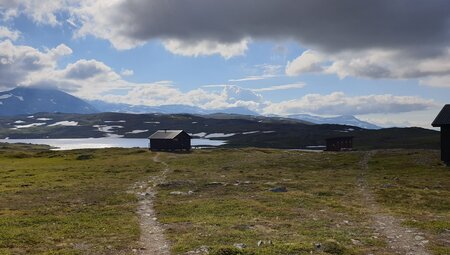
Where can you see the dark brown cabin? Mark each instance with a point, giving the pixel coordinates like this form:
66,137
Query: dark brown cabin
443,121
170,140
340,143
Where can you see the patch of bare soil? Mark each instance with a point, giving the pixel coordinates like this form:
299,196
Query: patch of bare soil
152,240
401,240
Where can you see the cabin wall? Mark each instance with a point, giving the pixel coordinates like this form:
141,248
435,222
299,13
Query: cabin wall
170,144
339,144
445,144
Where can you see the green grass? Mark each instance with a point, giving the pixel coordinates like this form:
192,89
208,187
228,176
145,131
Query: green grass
70,202
76,202
232,203
416,187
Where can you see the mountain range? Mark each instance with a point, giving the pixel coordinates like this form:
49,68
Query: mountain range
30,100
26,100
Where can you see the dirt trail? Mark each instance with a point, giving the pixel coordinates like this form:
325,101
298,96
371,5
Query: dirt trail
401,240
152,239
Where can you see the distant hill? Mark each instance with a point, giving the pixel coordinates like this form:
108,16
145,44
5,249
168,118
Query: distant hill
341,120
166,109
237,130
27,100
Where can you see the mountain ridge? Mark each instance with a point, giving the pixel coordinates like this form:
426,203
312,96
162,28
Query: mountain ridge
30,100
27,100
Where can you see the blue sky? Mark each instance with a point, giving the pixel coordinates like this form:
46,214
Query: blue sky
387,62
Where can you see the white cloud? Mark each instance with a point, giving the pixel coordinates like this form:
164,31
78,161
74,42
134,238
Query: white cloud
406,119
89,70
253,78
308,62
298,85
432,69
338,103
265,71
27,66
19,64
164,92
127,72
100,18
281,87
5,33
206,47
40,11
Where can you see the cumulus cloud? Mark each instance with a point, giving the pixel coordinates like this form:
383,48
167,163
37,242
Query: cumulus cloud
40,11
338,103
18,64
308,62
164,92
206,47
89,69
383,23
432,69
328,26
6,33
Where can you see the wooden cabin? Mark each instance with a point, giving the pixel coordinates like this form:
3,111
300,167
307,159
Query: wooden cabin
442,120
170,140
339,143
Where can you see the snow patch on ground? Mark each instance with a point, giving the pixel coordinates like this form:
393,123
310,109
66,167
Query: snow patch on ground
64,123
250,132
5,96
29,125
201,134
43,119
316,147
19,121
219,135
113,121
19,97
137,131
152,122
268,132
108,130
30,117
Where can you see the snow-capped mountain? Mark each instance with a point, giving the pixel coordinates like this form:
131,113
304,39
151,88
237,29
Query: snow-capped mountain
341,120
27,100
165,109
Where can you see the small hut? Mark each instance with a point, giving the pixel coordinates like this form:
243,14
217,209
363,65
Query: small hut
340,143
442,120
170,140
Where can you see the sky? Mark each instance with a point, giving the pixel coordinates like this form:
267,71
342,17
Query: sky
384,61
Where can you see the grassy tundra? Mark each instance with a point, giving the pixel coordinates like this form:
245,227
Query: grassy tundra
81,202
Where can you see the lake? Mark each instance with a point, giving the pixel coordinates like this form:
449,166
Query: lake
104,142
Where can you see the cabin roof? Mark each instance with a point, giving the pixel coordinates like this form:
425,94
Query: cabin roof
165,134
443,118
